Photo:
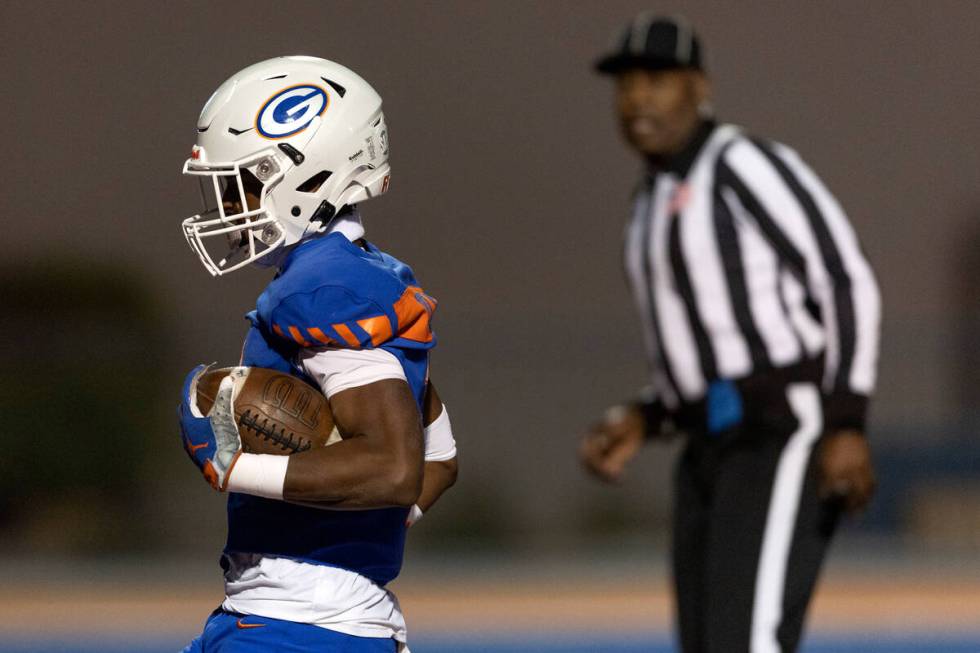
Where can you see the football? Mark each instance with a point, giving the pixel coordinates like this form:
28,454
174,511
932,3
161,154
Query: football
276,413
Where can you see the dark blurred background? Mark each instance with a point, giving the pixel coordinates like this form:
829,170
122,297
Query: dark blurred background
510,189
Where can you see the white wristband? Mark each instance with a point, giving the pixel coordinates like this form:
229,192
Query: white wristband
261,475
414,515
439,442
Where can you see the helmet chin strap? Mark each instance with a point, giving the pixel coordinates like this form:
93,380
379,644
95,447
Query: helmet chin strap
324,213
347,221
231,255
242,244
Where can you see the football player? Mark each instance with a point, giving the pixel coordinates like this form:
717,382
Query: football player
286,150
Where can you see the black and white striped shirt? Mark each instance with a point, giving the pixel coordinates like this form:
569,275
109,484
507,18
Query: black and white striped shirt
740,262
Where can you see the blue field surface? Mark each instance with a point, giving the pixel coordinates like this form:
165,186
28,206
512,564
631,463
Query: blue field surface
867,643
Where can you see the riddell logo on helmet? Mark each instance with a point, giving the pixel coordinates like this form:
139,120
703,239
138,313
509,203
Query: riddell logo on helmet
290,111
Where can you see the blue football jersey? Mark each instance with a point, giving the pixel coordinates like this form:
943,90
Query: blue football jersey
331,292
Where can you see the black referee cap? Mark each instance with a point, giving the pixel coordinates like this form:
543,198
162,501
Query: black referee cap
654,43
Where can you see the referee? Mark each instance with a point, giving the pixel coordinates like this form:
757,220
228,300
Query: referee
761,317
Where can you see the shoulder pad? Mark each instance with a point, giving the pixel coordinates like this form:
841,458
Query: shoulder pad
346,300
330,316
334,316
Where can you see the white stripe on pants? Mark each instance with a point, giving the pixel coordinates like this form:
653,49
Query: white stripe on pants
770,580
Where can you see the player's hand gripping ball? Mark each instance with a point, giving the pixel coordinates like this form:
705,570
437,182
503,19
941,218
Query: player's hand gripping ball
227,411
212,441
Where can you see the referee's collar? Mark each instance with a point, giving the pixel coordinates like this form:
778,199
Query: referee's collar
680,164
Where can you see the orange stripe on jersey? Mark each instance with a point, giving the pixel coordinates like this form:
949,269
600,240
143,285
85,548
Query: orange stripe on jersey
320,335
346,334
278,330
298,337
413,310
379,328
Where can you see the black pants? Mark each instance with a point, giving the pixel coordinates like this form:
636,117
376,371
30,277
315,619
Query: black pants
750,532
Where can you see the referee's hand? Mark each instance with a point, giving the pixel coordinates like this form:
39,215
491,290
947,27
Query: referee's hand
846,471
611,444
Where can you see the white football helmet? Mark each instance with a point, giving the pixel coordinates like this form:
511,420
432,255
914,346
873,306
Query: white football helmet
299,138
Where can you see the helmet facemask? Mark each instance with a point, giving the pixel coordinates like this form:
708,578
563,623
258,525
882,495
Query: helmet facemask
229,233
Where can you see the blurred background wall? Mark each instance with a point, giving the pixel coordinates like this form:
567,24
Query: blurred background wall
510,189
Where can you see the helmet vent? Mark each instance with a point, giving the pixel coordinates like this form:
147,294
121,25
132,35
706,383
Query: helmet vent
273,77
313,184
341,91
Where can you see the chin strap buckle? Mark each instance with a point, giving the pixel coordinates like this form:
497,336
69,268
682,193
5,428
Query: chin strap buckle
324,213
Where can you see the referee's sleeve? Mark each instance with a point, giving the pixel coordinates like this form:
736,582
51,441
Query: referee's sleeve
808,227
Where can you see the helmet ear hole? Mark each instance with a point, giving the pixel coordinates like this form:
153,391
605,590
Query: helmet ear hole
313,184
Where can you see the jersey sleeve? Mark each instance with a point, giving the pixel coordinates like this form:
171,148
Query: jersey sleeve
340,317
260,350
330,316
806,225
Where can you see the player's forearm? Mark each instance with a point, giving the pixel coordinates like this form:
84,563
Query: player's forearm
440,450
379,461
440,475
355,474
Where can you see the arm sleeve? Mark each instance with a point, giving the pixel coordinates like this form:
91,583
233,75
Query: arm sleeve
336,370
810,231
439,441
